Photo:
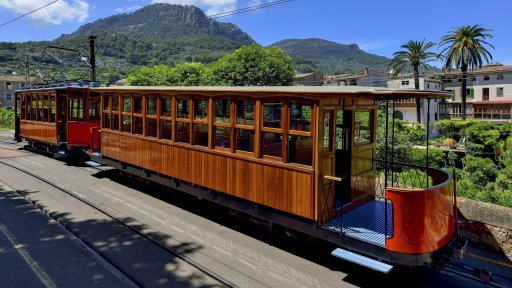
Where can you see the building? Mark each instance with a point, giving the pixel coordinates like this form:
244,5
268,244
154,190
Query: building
489,93
9,84
406,109
367,77
309,79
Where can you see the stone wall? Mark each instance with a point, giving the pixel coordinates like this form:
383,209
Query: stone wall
486,224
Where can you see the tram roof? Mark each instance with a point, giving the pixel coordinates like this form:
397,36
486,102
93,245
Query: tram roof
320,92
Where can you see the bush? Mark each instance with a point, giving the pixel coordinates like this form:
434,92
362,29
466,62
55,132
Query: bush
6,119
436,157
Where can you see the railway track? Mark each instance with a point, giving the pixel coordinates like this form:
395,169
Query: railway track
113,262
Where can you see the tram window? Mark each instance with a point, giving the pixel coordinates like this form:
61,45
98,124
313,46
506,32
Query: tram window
53,109
326,143
126,125
40,108
182,109
46,107
362,127
34,107
23,107
272,144
115,121
76,108
272,114
222,137
137,125
300,150
245,112
127,104
201,110
201,135
222,113
166,129
300,116
183,132
151,105
106,120
94,114
151,127
165,106
106,102
115,103
245,140
137,105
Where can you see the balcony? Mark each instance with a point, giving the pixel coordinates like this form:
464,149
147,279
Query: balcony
453,110
410,211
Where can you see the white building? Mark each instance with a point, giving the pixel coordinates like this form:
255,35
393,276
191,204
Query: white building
406,109
489,93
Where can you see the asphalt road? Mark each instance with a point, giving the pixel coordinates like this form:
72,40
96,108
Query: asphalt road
38,252
239,250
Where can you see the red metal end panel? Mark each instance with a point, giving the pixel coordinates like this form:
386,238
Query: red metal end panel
81,134
423,219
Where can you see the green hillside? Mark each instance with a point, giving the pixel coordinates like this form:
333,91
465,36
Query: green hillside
327,56
156,34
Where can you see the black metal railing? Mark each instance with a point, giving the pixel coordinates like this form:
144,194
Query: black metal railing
400,175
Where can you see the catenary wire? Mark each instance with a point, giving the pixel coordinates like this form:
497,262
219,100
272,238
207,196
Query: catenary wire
33,11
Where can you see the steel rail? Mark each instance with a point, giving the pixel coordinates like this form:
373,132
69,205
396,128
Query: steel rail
173,251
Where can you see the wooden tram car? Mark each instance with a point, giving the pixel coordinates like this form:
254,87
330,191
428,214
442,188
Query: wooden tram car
300,157
59,119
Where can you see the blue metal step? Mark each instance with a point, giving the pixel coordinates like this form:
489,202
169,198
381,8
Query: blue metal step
362,260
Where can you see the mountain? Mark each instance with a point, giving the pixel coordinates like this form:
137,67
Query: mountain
155,34
157,21
327,56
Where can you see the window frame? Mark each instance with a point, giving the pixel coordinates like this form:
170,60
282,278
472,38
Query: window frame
161,117
290,132
235,126
230,124
188,99
282,130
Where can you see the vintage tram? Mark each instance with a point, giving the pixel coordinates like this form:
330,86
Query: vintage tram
303,158
59,119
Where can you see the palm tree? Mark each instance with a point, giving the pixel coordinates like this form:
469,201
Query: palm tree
465,51
416,54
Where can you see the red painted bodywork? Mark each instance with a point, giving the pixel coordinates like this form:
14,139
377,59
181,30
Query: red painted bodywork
84,134
423,219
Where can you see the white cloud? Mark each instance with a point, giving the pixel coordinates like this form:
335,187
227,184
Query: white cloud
210,7
128,9
56,13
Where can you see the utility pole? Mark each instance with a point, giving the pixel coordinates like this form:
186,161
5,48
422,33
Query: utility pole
92,58
27,72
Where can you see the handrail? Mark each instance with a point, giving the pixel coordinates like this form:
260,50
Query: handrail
428,170
332,178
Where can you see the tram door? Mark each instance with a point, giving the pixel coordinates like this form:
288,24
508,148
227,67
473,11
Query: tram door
335,159
62,117
343,156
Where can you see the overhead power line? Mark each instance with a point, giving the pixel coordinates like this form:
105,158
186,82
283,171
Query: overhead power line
248,9
33,11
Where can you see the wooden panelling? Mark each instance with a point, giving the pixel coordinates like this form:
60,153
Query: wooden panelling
282,186
40,131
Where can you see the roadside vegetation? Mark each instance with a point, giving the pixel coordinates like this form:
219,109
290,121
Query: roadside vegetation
6,119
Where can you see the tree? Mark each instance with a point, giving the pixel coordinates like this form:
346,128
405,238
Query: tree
465,50
184,74
415,53
254,66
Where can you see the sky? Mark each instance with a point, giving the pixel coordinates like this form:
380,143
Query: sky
378,27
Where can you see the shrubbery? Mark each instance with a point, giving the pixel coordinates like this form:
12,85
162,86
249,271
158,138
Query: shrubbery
6,119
